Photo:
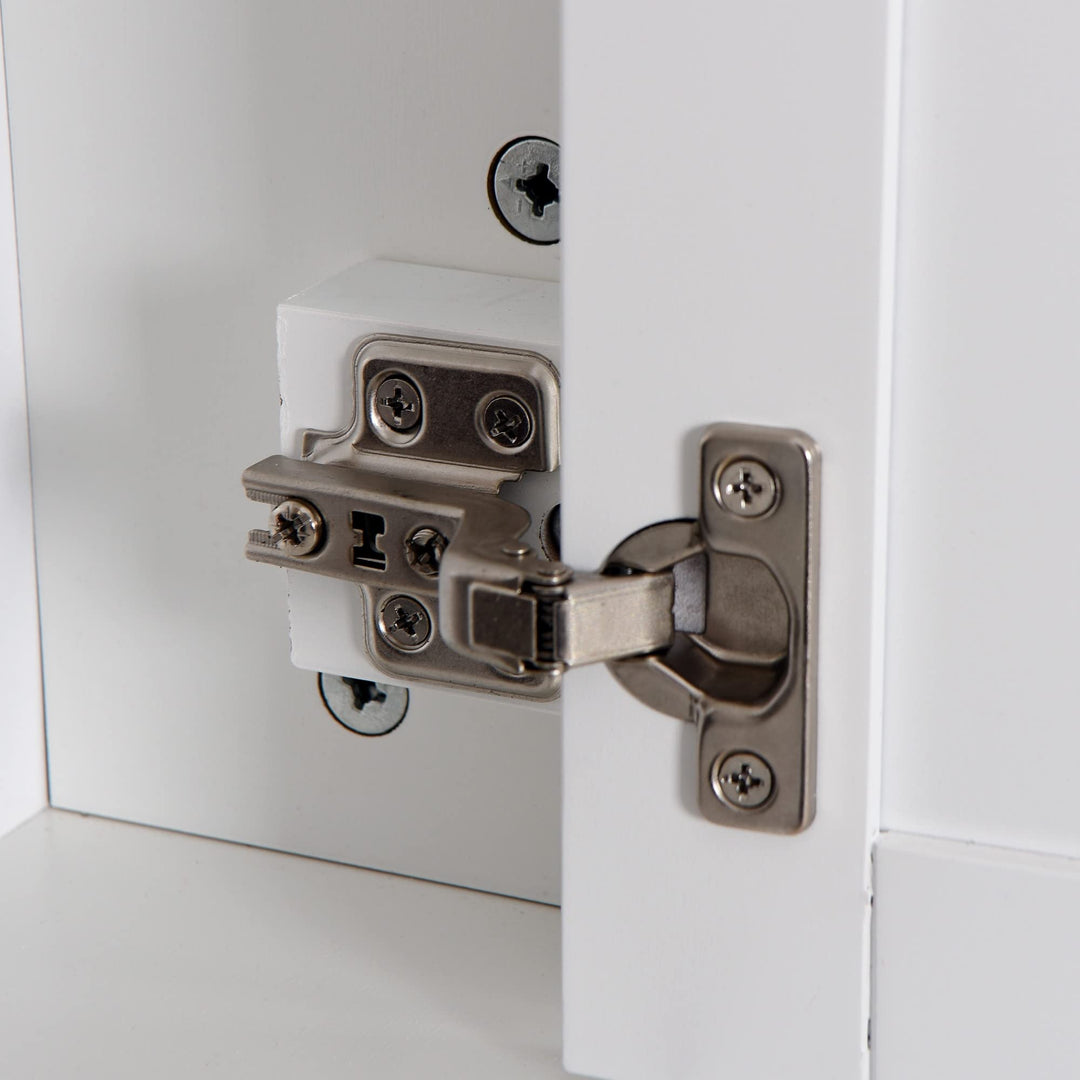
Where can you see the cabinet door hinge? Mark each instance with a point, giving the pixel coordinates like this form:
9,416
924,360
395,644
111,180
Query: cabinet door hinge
710,619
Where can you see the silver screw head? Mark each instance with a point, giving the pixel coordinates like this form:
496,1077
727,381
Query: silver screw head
507,422
424,550
746,488
398,403
523,185
368,708
404,623
296,526
742,780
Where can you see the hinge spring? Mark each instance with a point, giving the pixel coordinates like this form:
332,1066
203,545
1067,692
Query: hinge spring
547,597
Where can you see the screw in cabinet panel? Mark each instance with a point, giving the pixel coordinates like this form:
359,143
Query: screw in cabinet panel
506,422
404,623
424,550
398,403
742,780
746,488
523,185
297,526
550,534
368,708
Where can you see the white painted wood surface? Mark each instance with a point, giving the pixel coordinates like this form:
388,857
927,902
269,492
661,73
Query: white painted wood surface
729,232
22,735
180,168
130,952
976,961
984,582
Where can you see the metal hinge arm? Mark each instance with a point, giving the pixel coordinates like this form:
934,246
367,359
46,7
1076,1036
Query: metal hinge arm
582,619
494,600
608,617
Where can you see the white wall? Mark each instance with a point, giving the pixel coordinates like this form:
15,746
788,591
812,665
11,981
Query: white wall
180,167
977,878
981,715
22,741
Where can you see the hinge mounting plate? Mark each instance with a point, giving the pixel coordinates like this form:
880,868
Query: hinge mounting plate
742,664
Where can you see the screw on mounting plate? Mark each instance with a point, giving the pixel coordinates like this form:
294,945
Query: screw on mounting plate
507,422
523,185
296,526
424,550
404,623
742,780
363,706
398,403
746,488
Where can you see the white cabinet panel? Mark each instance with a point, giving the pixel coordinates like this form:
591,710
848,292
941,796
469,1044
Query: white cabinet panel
729,231
983,578
22,735
976,961
180,168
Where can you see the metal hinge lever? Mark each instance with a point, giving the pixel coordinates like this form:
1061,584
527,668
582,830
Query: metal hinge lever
489,610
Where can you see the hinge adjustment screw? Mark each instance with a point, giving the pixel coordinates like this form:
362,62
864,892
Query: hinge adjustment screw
424,550
297,526
404,623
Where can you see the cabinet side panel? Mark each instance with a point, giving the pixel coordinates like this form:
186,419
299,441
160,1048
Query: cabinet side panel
22,737
180,169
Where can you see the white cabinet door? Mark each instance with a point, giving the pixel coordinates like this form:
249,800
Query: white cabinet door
744,182
728,252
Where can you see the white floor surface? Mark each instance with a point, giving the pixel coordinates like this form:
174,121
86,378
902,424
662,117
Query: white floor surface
133,952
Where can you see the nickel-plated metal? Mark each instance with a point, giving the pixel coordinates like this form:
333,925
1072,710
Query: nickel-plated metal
404,623
296,526
742,780
455,382
506,422
377,488
523,186
398,404
363,706
742,665
746,487
603,616
424,550
477,525
709,619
